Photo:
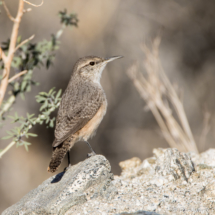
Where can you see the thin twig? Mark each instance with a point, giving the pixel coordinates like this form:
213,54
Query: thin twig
2,55
17,75
8,12
33,4
7,148
39,118
23,42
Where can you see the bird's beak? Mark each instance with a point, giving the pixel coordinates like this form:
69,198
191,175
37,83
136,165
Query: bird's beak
107,60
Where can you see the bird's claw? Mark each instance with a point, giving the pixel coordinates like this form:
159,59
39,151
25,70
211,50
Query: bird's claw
66,168
91,154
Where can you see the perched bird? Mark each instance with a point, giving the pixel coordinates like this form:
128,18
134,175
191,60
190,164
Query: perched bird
82,108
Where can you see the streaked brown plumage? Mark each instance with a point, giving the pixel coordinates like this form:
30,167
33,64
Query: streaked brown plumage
82,107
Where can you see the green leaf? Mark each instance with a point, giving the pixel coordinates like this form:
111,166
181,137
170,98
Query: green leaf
50,91
32,135
40,99
44,105
43,93
17,61
16,120
9,132
47,120
16,115
22,96
26,144
51,124
59,93
7,137
28,88
19,39
30,115
11,117
23,85
26,148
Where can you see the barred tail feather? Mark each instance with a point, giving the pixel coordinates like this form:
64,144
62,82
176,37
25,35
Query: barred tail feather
57,156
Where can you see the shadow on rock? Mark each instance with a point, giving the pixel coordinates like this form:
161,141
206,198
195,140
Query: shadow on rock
58,177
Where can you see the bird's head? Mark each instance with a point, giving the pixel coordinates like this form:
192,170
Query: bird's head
91,67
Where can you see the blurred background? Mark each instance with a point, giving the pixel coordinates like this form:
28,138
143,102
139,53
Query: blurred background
109,28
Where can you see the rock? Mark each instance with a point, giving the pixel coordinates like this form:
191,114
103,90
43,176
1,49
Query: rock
207,157
130,164
171,162
86,180
170,182
140,213
128,167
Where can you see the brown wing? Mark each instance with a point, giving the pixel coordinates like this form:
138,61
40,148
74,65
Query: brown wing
74,113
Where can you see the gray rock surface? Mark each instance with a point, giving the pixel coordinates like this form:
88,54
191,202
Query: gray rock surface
172,163
86,180
170,182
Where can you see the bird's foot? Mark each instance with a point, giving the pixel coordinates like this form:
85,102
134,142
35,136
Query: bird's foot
66,168
91,154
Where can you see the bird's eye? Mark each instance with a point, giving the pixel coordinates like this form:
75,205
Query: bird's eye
92,63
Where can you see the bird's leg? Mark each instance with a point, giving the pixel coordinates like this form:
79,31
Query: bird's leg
92,151
68,155
69,164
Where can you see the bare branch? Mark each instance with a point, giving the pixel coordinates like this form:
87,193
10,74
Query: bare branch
2,55
8,59
23,42
33,4
17,75
8,12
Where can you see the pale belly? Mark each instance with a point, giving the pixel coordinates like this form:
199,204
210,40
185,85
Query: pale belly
90,128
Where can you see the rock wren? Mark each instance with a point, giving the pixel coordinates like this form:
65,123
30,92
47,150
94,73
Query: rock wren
82,108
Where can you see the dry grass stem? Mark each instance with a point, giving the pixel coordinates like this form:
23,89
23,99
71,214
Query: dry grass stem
159,94
206,128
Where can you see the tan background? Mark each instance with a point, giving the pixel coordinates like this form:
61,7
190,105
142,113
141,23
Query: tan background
109,28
